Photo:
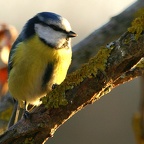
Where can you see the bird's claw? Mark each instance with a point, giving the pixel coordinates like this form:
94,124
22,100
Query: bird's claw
26,115
54,86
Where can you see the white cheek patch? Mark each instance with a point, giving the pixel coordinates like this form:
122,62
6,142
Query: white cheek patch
41,30
55,38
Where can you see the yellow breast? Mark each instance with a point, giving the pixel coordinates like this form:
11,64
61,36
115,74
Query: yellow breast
29,64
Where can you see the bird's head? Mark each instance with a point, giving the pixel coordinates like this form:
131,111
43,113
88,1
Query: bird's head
51,28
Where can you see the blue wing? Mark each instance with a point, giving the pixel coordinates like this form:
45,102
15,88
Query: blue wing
14,46
28,31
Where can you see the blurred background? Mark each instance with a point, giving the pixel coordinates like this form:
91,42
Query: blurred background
109,120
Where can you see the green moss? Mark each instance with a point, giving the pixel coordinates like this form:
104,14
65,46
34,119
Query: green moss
140,64
55,98
127,40
90,69
137,26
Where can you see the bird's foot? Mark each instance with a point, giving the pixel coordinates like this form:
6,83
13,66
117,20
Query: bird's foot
54,86
26,115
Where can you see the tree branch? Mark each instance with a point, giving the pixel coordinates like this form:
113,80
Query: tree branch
85,86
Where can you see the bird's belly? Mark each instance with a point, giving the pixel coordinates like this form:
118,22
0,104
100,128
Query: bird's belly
26,85
29,67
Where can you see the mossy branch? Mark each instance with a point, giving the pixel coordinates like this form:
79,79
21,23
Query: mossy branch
116,63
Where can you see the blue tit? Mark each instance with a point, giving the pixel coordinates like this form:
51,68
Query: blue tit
39,58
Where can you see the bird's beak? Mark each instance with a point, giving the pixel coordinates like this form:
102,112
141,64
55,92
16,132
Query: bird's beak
72,34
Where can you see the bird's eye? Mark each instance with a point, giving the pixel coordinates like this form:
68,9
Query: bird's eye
55,27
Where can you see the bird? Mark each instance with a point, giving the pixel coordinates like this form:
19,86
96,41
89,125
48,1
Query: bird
38,60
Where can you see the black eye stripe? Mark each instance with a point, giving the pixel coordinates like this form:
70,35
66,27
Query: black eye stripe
55,28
